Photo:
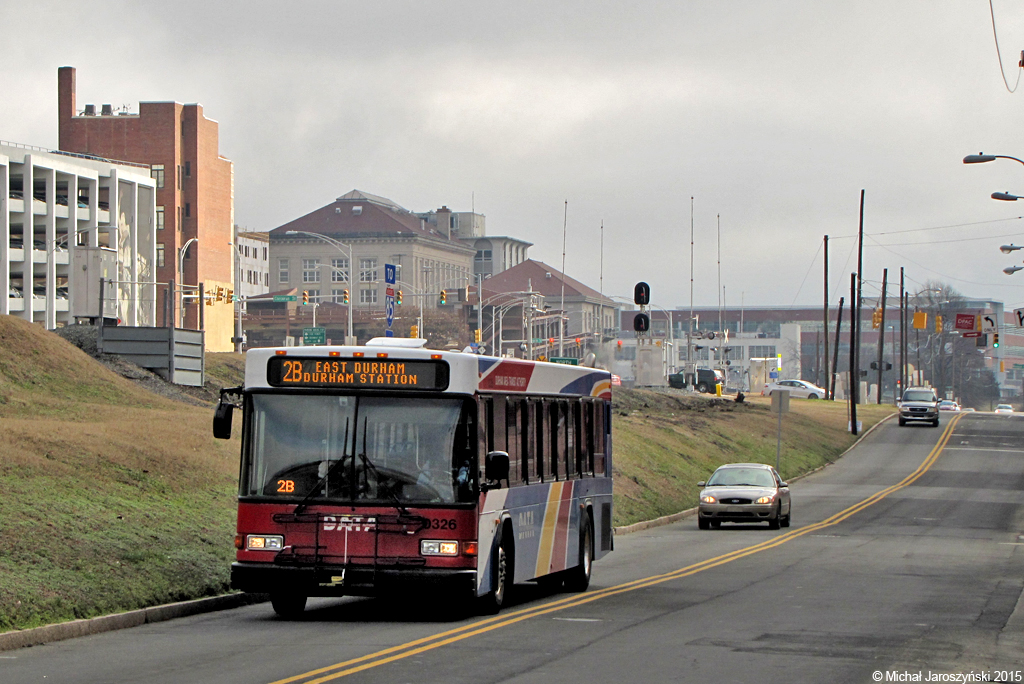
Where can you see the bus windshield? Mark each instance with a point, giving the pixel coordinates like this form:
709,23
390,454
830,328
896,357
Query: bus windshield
358,448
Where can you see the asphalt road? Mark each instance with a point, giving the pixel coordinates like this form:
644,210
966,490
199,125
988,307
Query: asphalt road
904,557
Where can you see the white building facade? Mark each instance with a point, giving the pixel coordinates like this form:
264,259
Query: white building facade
66,222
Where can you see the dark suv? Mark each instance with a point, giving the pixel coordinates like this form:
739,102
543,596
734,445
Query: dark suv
705,381
919,404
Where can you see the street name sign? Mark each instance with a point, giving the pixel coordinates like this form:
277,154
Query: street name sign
285,298
567,360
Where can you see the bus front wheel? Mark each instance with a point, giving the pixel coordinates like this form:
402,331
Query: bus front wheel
578,578
502,564
288,605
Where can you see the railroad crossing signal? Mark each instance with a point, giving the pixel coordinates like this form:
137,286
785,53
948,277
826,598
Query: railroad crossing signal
876,318
305,296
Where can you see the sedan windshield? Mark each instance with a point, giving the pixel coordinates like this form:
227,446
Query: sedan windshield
754,477
346,448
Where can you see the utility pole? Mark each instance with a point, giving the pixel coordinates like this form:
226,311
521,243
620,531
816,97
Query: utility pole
881,336
835,357
824,325
854,365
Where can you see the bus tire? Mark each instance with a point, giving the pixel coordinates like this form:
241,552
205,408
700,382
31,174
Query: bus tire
288,605
578,578
502,564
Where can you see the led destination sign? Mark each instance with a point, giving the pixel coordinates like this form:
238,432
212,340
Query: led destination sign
358,373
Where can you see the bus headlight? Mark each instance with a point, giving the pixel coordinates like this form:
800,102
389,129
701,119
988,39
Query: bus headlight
439,548
264,542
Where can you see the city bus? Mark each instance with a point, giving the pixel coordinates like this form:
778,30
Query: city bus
369,470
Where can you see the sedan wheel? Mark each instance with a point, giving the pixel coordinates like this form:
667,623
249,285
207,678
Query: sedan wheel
703,524
812,396
776,520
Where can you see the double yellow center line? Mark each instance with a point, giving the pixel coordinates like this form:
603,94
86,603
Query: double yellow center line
411,648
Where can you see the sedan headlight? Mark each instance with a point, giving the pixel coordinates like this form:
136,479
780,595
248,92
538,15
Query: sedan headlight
766,499
707,498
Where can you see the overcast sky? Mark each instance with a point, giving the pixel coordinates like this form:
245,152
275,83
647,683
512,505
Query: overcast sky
773,115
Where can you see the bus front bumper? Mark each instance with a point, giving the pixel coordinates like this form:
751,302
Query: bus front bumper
327,580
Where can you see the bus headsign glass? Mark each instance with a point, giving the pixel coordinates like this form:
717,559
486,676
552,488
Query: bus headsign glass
286,371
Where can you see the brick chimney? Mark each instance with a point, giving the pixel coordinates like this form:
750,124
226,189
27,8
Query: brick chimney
444,221
65,104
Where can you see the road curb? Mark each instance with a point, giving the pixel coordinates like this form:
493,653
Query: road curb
133,618
676,517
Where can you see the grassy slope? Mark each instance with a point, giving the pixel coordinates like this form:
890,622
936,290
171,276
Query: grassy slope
665,443
114,498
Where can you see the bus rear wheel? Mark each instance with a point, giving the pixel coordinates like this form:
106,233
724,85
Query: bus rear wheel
578,578
288,605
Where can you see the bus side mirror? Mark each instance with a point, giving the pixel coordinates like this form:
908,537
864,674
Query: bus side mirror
222,421
496,467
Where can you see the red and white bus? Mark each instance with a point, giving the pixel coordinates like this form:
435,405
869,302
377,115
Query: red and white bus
366,470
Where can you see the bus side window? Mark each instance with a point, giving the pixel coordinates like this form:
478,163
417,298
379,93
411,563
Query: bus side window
566,437
498,423
552,438
577,437
540,471
525,454
601,411
512,440
588,432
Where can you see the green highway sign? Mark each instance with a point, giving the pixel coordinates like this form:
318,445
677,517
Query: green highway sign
285,298
567,360
1018,365
312,336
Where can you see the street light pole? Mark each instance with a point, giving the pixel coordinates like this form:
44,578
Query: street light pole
181,274
341,247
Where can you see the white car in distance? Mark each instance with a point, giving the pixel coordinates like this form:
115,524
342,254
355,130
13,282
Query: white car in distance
797,388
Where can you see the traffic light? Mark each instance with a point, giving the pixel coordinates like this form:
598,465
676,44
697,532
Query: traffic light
220,293
477,336
209,298
305,296
231,295
398,297
444,297
876,318
938,324
344,297
414,331
995,339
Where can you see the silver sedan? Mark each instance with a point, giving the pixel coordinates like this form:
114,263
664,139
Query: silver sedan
744,493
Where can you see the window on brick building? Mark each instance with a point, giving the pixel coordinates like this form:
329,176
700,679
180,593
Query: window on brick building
156,172
339,270
368,296
188,210
311,270
188,169
282,270
159,218
179,176
160,254
368,272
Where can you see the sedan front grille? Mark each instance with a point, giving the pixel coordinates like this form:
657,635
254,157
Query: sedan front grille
734,501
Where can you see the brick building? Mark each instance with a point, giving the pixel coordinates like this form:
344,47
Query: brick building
194,193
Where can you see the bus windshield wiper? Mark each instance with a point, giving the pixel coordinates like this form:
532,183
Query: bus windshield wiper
389,492
309,495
